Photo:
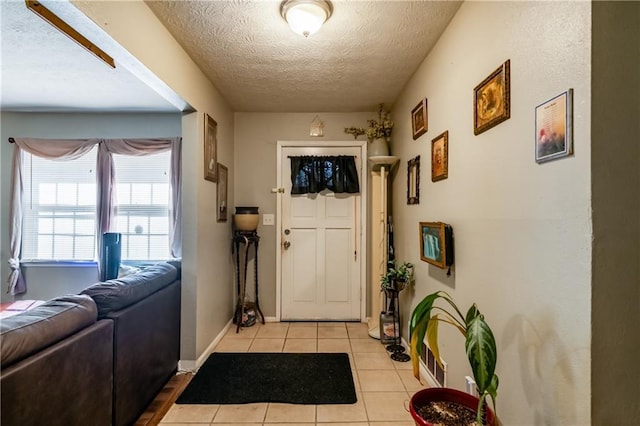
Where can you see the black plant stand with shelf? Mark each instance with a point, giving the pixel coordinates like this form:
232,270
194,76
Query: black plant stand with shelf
248,239
392,302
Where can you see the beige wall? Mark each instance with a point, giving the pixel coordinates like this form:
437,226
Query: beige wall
256,137
522,230
615,167
207,273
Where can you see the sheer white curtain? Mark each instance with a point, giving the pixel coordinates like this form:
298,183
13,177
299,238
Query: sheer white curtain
52,149
72,149
107,183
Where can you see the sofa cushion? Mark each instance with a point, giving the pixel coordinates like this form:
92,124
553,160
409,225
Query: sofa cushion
119,293
28,332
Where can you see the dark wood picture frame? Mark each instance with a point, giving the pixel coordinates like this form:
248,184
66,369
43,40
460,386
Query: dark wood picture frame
210,149
413,181
419,119
221,194
436,243
440,157
492,99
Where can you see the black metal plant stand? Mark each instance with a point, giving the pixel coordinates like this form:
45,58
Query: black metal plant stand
393,307
249,239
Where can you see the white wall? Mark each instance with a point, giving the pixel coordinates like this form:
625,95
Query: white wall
522,230
256,136
47,282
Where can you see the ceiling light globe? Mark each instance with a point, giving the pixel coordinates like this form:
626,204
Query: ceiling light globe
305,17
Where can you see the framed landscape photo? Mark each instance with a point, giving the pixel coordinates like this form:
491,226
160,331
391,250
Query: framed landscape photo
440,157
436,243
221,196
419,119
413,181
210,149
554,127
492,99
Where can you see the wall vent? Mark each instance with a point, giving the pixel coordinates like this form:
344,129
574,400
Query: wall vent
438,373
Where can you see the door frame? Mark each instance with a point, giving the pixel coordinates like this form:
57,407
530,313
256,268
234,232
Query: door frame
363,241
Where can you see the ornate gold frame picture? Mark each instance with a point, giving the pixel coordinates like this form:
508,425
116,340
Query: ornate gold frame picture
554,127
210,149
492,99
221,195
440,157
419,119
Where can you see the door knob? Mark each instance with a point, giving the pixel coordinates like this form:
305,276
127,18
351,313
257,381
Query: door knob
287,244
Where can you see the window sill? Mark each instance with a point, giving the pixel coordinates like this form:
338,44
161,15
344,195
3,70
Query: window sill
58,264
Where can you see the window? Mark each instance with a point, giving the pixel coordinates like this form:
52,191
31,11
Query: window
142,205
59,208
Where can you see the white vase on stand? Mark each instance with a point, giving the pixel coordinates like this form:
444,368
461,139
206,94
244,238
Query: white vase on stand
378,148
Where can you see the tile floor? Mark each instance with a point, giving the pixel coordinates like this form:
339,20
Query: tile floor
383,386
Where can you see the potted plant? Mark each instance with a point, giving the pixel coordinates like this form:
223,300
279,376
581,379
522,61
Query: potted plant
378,133
480,346
397,278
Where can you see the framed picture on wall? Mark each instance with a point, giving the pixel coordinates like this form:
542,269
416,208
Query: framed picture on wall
492,99
440,157
419,119
210,149
221,196
436,243
413,181
554,127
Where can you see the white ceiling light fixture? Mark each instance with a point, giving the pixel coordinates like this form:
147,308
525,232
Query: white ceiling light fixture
305,17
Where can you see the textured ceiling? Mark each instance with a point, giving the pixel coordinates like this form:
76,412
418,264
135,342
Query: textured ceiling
363,55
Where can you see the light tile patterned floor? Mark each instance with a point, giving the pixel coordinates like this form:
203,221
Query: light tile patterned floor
383,386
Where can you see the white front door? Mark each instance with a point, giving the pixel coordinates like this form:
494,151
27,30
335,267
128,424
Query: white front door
321,246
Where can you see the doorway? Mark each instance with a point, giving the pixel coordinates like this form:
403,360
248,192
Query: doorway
320,242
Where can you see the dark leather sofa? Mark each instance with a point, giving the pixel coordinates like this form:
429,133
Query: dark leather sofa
104,369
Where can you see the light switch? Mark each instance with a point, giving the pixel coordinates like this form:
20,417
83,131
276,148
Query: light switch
268,219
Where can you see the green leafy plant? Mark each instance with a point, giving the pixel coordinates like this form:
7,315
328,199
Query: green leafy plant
397,276
480,344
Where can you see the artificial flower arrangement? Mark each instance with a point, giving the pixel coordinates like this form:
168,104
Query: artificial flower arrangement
380,128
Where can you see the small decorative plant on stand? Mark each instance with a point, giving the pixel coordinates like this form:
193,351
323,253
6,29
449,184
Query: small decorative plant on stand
378,133
393,282
481,351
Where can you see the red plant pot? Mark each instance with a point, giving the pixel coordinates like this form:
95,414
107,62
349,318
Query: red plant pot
424,396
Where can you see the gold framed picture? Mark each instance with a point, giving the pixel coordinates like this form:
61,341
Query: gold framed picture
210,149
440,157
492,99
221,195
419,119
436,243
554,127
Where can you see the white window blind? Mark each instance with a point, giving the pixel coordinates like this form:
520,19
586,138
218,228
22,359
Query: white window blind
143,195
59,206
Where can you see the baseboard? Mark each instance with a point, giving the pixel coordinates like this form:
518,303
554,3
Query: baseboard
193,365
271,319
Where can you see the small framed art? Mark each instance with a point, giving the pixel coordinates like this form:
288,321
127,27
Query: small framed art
436,243
440,157
419,119
413,181
210,149
221,195
492,99
554,127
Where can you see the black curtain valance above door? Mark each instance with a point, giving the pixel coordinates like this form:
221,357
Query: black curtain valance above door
313,174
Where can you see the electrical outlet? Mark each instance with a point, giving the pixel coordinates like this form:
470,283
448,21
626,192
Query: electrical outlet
268,219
